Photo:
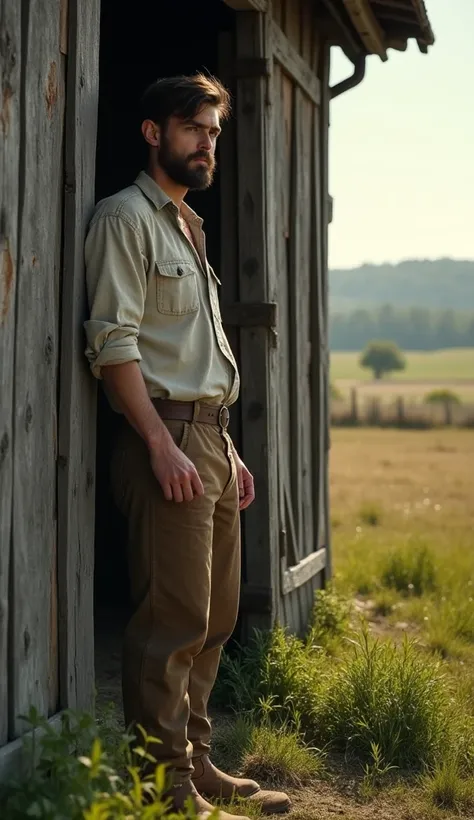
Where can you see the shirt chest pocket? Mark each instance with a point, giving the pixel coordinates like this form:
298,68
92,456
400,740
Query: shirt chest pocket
176,288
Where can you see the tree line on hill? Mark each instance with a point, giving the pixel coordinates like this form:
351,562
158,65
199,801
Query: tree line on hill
412,329
435,285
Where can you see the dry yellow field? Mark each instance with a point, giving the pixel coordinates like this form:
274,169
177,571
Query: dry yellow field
422,481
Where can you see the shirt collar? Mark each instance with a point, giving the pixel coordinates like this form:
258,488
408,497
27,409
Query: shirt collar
159,198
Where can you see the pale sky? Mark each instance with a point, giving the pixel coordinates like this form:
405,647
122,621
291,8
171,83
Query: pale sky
402,149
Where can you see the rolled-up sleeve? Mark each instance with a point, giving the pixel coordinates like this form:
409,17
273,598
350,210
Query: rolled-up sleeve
116,287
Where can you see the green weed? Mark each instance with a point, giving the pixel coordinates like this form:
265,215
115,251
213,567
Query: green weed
330,618
371,514
410,570
72,775
448,790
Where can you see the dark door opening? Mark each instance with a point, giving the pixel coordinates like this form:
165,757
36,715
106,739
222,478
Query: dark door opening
139,42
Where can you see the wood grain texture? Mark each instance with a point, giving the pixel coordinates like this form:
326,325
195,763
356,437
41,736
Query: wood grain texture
227,147
307,31
259,533
10,80
36,355
301,72
293,22
77,426
325,287
297,577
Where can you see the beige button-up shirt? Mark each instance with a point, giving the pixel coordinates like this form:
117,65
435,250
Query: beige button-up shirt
153,297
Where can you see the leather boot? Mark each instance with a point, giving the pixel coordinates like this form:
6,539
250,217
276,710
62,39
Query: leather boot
182,792
214,783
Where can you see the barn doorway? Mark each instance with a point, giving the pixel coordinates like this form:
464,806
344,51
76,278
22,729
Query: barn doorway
138,43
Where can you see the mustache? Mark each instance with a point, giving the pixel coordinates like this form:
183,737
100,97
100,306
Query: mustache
201,155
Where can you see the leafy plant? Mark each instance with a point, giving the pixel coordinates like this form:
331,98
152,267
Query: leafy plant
330,618
71,775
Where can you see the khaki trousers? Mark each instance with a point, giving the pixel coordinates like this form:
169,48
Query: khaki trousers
184,565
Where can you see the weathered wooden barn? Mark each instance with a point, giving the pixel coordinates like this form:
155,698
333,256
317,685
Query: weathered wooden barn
71,72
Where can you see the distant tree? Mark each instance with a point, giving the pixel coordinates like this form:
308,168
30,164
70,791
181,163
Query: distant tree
382,357
442,396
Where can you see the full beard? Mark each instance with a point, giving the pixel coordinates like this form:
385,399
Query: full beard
179,168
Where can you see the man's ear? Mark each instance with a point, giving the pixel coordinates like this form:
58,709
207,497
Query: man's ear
151,133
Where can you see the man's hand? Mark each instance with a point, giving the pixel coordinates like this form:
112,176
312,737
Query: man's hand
245,483
175,473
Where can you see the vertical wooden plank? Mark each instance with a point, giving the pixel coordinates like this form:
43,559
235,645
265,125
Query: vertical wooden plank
10,67
307,31
260,534
306,348
292,22
36,355
325,282
316,62
277,12
273,227
77,420
294,330
280,209
317,320
229,292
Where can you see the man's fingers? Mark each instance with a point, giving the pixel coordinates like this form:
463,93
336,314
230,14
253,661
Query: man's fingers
167,491
245,502
177,492
197,484
188,491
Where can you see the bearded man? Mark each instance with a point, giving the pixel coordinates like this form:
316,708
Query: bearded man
155,338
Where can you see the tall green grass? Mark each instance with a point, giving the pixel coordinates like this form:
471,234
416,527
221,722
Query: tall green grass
376,693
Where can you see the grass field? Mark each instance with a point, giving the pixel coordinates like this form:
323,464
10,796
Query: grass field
431,366
403,553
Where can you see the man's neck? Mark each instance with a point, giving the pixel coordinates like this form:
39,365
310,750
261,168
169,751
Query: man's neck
175,192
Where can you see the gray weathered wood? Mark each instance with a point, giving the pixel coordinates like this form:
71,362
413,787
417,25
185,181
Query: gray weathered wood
310,566
260,535
77,391
10,62
293,22
295,331
325,286
36,355
308,539
307,31
294,65
317,326
229,291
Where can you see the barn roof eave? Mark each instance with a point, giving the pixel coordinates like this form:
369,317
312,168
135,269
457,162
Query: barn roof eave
384,24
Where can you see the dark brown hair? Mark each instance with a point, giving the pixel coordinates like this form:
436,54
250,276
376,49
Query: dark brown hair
183,97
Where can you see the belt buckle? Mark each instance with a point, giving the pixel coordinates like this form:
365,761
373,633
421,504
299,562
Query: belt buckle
223,417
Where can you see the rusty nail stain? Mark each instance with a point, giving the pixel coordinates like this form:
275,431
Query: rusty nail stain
7,277
51,90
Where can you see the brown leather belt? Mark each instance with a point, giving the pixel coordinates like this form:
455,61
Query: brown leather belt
193,411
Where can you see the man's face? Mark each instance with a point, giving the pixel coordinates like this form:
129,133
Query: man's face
186,150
